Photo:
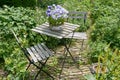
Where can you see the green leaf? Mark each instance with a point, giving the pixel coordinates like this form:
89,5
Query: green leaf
90,77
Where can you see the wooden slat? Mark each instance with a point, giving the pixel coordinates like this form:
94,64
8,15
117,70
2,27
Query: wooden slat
36,53
58,33
32,55
43,28
69,25
78,35
45,47
67,28
75,25
49,34
66,25
77,17
64,29
44,52
77,12
39,52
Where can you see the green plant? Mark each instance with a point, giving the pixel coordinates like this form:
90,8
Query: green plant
90,77
106,22
95,49
18,3
45,3
20,19
110,60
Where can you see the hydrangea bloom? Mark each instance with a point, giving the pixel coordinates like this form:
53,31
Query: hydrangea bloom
56,12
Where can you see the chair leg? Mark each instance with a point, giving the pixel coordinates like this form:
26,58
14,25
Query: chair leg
28,66
37,74
70,53
63,65
41,69
48,74
43,64
82,45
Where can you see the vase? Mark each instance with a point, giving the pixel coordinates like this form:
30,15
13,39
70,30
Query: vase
55,24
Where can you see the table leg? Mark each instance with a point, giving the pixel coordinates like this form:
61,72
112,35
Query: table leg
69,53
63,63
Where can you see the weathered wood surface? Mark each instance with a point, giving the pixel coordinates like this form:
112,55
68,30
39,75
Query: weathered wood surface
67,28
39,52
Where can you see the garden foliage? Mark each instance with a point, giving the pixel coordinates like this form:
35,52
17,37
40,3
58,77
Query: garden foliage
105,37
105,30
19,19
106,20
18,3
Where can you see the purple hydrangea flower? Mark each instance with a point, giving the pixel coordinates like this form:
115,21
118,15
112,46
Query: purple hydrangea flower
56,12
49,7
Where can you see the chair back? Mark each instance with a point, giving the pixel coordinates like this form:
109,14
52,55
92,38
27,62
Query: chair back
19,43
77,15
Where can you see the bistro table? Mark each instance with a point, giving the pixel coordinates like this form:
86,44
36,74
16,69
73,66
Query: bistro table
67,28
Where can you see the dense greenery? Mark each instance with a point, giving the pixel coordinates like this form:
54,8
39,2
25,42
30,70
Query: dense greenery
104,32
45,3
106,26
19,19
110,61
106,22
24,3
105,38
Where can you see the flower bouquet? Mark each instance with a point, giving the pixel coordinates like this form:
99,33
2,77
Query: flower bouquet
56,15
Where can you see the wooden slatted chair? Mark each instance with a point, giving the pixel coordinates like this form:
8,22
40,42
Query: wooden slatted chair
78,35
37,53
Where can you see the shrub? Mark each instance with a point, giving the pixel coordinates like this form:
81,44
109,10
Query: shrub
45,3
18,3
20,19
106,23
96,48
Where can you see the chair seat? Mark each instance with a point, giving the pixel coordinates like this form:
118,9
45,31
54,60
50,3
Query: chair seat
39,52
77,35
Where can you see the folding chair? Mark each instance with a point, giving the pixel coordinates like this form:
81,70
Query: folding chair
37,53
78,35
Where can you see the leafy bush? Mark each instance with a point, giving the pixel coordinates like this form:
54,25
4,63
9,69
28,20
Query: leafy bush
19,19
45,3
96,48
106,23
110,62
22,20
17,3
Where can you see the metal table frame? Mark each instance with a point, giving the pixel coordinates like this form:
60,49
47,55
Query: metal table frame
67,28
